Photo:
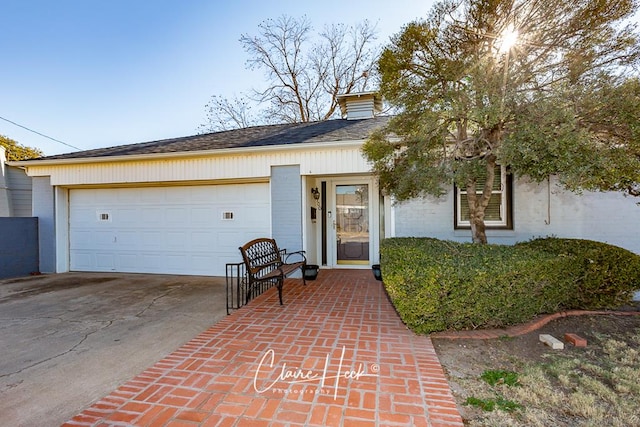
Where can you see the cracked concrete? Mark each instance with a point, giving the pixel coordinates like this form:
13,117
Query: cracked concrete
69,339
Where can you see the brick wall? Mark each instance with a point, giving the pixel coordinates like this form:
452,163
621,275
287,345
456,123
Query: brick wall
286,207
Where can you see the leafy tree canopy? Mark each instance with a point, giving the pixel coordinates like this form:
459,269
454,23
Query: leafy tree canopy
15,151
547,87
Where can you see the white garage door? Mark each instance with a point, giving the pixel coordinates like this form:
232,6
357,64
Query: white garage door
191,230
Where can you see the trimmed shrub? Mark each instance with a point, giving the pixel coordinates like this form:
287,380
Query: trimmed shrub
437,285
609,274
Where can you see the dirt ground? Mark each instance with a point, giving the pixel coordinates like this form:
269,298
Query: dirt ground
464,359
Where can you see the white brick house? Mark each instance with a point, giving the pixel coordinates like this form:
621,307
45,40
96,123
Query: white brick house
185,205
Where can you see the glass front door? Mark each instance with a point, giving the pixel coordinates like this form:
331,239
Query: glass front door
351,224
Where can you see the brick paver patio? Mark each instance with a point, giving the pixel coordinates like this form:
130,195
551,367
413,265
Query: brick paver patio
335,354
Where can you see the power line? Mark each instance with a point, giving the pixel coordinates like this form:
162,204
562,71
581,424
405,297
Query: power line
41,134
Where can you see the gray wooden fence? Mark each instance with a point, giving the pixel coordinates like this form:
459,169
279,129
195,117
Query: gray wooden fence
18,247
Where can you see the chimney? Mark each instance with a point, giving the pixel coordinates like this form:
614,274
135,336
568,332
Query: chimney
362,105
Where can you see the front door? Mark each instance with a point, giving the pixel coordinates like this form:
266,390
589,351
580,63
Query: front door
351,223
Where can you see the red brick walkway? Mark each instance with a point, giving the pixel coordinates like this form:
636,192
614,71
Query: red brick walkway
335,354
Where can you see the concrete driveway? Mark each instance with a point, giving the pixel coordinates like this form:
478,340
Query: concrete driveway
67,340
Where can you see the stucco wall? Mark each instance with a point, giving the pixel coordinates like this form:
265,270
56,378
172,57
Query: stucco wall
538,210
18,247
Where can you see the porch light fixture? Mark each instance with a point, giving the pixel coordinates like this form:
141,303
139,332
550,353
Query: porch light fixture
316,195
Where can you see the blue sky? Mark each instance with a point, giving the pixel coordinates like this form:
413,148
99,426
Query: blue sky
98,73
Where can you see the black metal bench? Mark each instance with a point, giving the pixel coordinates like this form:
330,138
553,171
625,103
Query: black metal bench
264,264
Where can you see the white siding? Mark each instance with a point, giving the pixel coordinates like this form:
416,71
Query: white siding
538,211
313,161
19,191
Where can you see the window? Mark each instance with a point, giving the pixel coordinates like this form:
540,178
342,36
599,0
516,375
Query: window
103,216
498,213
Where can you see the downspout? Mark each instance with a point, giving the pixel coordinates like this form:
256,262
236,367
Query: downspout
548,220
5,198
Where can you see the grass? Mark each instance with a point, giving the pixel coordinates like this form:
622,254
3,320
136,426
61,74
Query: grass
598,387
495,377
498,402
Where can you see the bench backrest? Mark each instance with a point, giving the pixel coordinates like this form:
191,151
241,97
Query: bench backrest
261,256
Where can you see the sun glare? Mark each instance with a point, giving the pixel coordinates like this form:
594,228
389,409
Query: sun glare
508,39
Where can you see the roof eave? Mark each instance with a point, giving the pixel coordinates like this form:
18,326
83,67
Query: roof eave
184,154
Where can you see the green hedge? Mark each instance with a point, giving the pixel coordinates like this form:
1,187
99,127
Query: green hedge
609,275
437,285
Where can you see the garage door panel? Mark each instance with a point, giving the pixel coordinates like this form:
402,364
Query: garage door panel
126,238
172,230
151,217
125,216
228,194
200,194
202,262
175,261
82,261
87,197
202,216
91,239
104,238
176,216
152,239
177,240
105,261
151,195
80,239
203,239
261,220
127,262
231,241
255,193
154,262
84,216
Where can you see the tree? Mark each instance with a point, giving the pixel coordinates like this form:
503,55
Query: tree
562,100
16,151
304,74
225,114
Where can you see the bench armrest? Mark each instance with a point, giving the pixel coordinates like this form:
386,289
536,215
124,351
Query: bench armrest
300,254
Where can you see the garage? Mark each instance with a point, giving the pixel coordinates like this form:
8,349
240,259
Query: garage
192,230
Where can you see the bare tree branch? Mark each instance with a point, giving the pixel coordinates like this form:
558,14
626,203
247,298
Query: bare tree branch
304,72
225,114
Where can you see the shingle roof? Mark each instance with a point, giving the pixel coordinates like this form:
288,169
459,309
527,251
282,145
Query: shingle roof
256,136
